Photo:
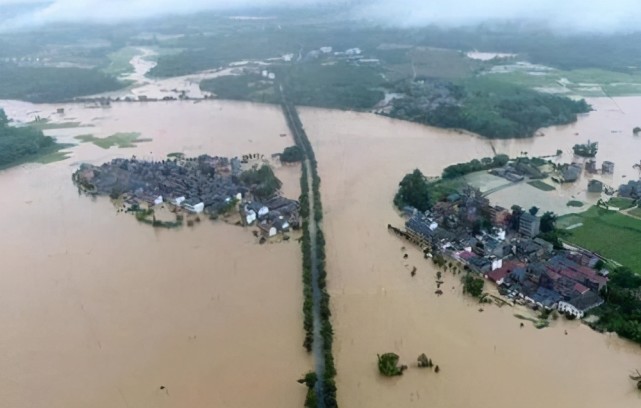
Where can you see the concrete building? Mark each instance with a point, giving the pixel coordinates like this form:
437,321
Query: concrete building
579,305
529,225
194,206
590,166
607,167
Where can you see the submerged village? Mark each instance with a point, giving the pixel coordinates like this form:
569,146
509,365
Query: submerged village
170,192
506,246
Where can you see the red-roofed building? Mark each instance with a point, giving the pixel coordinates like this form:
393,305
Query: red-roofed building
499,275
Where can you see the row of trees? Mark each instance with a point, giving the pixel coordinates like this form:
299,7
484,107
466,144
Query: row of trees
327,382
486,163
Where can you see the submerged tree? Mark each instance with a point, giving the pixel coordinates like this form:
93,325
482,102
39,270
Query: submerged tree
413,191
388,365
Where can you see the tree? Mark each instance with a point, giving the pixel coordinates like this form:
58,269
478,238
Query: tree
291,154
473,286
413,191
548,222
388,365
534,210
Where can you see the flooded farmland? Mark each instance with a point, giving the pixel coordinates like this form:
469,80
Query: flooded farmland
101,311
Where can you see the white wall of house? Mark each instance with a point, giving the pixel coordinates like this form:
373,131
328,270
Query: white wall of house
250,217
179,200
263,211
158,200
497,264
196,208
272,231
565,307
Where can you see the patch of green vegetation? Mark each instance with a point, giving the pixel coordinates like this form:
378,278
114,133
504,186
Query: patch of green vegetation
635,212
176,155
241,87
541,185
538,323
45,124
292,154
574,203
623,235
53,156
25,144
484,106
472,285
47,84
119,61
340,85
621,203
121,140
262,181
388,365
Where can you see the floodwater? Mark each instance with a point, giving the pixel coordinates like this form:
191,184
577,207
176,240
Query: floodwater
155,88
486,359
98,310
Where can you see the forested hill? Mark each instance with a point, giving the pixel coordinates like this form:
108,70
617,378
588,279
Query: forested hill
20,143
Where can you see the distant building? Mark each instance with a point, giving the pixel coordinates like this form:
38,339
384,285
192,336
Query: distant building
158,200
607,167
326,50
595,186
529,225
60,111
267,229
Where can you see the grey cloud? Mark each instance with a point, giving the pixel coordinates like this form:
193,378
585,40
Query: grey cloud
592,15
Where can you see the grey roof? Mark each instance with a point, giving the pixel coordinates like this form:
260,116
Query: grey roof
586,301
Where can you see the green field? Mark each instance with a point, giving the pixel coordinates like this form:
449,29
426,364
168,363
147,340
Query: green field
541,185
636,212
121,140
582,82
608,233
621,203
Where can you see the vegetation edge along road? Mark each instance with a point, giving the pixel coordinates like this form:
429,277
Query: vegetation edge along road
319,332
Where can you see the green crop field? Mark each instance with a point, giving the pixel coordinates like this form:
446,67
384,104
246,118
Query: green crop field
608,233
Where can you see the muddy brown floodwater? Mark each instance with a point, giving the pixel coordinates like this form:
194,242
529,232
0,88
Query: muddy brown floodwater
98,311
486,359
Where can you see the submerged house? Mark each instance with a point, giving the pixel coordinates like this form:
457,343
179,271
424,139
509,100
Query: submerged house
194,205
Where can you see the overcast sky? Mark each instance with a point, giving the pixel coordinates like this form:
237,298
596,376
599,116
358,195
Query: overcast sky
588,15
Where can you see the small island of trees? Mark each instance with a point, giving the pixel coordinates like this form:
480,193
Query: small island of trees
291,154
388,365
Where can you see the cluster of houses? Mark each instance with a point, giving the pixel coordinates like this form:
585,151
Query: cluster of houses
507,251
198,184
203,184
273,216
